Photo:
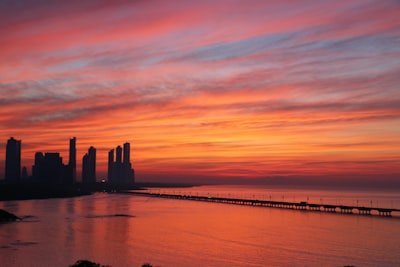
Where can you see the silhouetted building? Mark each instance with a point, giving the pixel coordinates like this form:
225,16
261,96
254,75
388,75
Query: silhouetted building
49,168
89,167
120,172
119,154
110,173
72,159
24,174
127,153
37,168
13,161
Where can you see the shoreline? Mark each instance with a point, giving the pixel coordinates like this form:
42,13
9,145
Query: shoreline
26,191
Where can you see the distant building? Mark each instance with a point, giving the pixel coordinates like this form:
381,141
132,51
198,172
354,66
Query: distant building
13,161
38,167
127,153
89,167
72,159
119,155
120,172
24,174
49,168
110,173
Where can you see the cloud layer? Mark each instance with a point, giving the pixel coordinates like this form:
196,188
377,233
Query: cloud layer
203,89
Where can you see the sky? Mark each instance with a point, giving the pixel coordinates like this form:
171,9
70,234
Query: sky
207,90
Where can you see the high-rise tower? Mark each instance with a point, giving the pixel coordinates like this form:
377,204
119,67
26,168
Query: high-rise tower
127,153
13,161
49,168
119,154
89,167
72,158
110,175
120,172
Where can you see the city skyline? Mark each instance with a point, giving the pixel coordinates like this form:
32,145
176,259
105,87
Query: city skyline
208,91
48,167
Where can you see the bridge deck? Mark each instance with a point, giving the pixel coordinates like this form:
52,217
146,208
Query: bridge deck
387,212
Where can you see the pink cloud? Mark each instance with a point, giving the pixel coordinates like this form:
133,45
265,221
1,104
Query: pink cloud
271,88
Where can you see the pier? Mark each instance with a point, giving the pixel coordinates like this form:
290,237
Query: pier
302,206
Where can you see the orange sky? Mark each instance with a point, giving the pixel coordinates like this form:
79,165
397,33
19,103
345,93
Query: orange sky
204,90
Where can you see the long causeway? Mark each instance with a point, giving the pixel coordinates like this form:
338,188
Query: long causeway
303,206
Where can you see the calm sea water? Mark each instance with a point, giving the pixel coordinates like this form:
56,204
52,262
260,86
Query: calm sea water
128,230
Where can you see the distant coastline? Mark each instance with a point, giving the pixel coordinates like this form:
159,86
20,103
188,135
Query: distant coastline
39,191
42,191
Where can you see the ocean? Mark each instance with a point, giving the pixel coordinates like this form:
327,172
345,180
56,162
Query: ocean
130,230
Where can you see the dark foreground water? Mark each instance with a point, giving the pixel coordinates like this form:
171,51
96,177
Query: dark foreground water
127,230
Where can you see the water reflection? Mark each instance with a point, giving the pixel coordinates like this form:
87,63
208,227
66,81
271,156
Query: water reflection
123,230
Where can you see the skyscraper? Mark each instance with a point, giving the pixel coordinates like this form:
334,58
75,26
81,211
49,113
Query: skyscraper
119,154
110,165
48,168
38,167
13,161
127,153
72,159
89,167
120,172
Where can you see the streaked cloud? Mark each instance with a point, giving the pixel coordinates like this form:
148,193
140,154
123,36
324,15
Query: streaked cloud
231,89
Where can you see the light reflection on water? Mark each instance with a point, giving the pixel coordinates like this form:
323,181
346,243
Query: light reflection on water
124,230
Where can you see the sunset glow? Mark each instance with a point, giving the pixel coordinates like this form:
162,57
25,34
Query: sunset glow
206,90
